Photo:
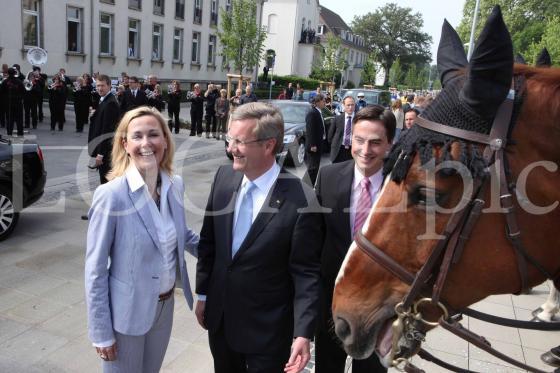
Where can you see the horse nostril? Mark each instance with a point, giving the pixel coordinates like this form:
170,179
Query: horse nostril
342,328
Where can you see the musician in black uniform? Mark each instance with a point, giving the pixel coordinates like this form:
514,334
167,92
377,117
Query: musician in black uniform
174,105
211,95
41,82
196,99
57,102
82,103
30,99
12,91
3,75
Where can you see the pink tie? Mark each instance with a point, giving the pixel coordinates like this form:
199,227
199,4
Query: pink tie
363,206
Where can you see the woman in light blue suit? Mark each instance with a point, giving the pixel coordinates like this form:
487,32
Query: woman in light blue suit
135,247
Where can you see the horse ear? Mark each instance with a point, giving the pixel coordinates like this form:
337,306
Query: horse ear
451,54
490,69
543,60
520,59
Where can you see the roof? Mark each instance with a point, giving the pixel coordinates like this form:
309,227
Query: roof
333,21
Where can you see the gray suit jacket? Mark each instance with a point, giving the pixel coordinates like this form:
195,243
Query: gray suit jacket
124,261
336,135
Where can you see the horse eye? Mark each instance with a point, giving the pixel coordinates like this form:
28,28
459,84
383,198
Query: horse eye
424,196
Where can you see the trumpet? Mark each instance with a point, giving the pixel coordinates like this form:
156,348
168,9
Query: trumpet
172,88
77,86
28,84
150,94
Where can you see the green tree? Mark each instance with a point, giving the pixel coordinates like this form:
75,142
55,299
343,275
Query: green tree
369,71
526,19
396,73
411,77
332,59
393,32
550,40
241,38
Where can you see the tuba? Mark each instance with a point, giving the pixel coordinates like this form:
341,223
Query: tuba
37,56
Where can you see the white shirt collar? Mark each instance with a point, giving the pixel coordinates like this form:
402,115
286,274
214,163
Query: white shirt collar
136,181
376,179
265,181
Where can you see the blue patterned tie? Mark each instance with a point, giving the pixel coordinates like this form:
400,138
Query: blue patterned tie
347,132
244,218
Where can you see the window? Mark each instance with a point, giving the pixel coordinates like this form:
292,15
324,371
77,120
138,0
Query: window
228,5
351,56
31,22
320,29
214,13
159,7
106,34
135,4
212,50
108,1
195,52
133,50
180,9
272,24
178,45
75,29
197,11
157,39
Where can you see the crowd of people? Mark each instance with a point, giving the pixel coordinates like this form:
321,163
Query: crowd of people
21,100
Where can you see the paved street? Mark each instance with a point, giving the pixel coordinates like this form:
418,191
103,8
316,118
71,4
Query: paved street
42,310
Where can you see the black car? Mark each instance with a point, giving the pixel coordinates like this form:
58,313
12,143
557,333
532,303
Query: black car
294,113
372,96
22,181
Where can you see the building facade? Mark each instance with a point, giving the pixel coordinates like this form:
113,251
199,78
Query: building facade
291,32
173,39
352,46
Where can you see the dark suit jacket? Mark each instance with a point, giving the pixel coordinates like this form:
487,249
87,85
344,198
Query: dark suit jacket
336,135
268,293
314,130
333,189
103,121
132,102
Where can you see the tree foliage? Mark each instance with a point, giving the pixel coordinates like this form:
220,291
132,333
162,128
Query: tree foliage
393,32
526,19
369,71
241,38
396,73
550,40
332,59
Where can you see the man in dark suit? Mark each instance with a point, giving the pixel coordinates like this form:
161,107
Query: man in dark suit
340,134
258,256
102,127
134,97
316,136
343,188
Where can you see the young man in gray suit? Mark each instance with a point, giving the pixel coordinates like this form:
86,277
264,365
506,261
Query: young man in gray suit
258,265
340,134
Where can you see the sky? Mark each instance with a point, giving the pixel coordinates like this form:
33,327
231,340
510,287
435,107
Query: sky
433,12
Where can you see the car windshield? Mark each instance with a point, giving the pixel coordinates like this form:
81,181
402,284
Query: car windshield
370,97
293,113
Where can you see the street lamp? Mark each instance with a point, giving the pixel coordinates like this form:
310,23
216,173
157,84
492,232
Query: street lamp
473,27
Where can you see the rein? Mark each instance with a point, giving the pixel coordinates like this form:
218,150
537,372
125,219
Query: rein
449,250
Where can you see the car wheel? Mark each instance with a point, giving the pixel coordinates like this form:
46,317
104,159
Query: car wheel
298,156
228,154
8,216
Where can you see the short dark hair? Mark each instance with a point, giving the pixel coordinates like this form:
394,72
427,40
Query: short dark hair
317,98
104,78
379,113
133,79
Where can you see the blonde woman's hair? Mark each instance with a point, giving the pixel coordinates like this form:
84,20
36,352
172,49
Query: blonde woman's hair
120,159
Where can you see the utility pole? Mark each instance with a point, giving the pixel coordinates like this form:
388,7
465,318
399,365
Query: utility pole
473,27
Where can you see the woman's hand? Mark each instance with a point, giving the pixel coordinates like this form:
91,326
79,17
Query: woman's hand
108,353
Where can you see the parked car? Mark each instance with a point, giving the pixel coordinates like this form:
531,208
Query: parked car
294,113
22,181
372,96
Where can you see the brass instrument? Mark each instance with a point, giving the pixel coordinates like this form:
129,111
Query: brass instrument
77,86
150,94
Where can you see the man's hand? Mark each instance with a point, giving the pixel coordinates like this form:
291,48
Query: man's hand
98,160
108,353
300,355
313,149
199,312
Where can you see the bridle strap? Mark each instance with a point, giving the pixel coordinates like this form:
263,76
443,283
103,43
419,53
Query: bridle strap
452,131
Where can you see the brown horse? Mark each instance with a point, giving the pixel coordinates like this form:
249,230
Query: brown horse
424,182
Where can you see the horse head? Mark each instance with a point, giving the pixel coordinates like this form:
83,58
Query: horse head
427,178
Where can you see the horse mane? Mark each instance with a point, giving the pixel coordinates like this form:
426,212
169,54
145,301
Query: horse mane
448,109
